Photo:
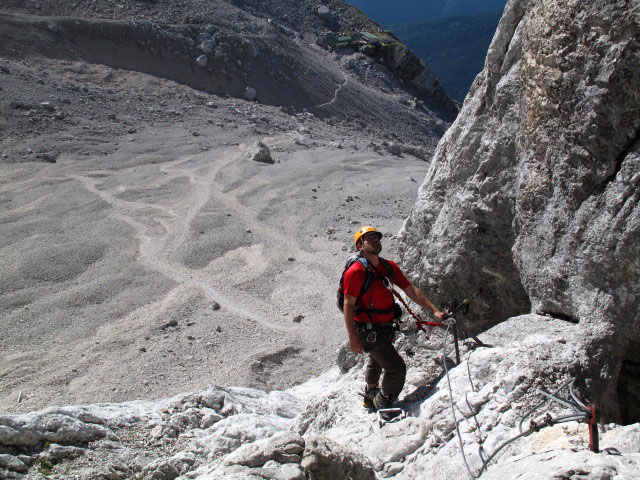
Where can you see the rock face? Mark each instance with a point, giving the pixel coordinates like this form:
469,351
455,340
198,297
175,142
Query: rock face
531,202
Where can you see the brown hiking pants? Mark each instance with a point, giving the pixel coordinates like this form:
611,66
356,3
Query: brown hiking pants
383,356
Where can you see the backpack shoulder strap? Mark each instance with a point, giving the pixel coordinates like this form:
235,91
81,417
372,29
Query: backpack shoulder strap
388,267
367,274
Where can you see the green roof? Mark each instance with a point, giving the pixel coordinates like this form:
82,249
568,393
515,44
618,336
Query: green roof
368,36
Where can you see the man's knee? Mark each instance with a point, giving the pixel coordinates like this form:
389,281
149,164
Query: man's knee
397,366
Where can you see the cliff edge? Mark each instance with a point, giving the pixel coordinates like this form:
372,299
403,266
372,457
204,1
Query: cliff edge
531,202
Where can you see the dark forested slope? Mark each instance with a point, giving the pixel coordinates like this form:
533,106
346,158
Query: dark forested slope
454,47
398,11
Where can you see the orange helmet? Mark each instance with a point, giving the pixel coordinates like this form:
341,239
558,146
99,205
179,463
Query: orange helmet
363,231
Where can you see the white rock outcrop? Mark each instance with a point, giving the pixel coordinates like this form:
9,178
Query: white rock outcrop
320,430
531,201
258,152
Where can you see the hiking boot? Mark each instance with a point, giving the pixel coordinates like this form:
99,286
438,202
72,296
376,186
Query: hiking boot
369,395
385,404
381,402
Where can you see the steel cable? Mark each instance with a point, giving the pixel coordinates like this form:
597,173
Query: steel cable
453,410
575,416
565,419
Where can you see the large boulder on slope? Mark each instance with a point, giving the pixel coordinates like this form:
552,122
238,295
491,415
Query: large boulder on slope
531,201
258,152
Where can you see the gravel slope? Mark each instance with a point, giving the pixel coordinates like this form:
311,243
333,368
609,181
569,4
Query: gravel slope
128,218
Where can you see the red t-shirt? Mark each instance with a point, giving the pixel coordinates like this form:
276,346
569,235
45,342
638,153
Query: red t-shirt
381,295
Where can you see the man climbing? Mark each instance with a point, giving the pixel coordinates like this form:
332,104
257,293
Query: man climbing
369,310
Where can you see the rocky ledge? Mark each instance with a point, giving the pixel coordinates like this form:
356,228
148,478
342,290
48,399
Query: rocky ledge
319,429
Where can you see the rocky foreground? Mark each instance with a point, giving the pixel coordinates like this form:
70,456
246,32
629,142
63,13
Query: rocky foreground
320,430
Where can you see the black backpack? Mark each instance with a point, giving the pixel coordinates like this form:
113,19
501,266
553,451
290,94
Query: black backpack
367,282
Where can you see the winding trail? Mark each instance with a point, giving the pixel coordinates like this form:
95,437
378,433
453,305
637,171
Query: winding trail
163,231
156,250
335,94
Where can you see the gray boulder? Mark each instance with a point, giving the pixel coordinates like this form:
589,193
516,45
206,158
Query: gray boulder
168,469
63,426
324,12
11,463
258,152
207,46
394,149
202,61
57,453
284,447
250,93
531,201
329,17
250,47
346,359
325,459
203,37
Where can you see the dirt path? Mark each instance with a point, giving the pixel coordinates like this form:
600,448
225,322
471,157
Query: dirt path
335,94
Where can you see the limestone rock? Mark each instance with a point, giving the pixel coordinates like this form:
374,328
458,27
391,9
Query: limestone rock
9,462
325,460
276,471
250,93
346,358
320,430
250,47
285,447
56,453
207,46
202,61
394,149
168,469
530,203
329,17
63,426
325,13
258,152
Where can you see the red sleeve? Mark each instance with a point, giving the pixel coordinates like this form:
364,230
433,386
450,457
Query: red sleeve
398,277
353,279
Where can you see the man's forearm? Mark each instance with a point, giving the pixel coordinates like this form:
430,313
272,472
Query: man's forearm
349,322
417,296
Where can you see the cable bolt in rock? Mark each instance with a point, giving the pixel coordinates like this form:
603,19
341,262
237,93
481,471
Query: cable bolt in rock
580,412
